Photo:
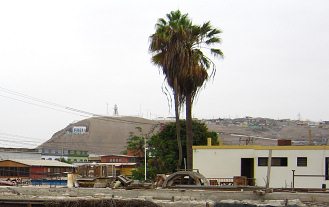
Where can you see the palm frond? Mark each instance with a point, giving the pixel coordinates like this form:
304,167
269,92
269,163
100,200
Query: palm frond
217,52
213,32
161,23
166,92
213,40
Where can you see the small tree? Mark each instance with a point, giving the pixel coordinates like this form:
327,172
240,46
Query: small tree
163,149
135,146
62,159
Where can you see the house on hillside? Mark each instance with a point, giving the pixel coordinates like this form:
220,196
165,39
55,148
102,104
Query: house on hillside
291,166
34,169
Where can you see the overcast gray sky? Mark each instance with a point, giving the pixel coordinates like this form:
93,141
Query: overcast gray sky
87,54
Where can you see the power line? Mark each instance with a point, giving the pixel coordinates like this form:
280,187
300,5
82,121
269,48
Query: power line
18,136
7,138
28,97
67,108
43,106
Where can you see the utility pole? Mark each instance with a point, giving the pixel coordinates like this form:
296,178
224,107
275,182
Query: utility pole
269,164
145,158
293,180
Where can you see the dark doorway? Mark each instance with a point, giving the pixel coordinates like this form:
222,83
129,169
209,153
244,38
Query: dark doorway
247,170
327,168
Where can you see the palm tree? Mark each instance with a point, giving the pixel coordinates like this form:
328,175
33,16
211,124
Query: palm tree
178,47
168,49
196,73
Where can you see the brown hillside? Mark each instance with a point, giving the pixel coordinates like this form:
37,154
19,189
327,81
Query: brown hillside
104,135
108,135
262,131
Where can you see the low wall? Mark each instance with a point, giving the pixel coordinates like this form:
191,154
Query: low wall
153,195
49,182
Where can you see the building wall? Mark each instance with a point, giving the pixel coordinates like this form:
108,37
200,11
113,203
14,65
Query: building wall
70,155
214,163
77,159
126,170
115,159
281,176
221,162
68,158
104,170
20,155
10,169
52,157
17,169
38,172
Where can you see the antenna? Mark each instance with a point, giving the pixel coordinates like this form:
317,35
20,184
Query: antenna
115,113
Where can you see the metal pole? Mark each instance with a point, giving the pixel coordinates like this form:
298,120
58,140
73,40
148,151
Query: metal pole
293,179
145,163
269,164
145,158
184,163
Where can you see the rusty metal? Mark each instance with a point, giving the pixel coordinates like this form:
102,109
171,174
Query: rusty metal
185,178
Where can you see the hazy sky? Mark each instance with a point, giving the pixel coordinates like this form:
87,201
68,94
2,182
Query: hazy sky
90,54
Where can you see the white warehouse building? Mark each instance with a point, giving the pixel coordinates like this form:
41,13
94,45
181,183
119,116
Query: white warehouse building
309,163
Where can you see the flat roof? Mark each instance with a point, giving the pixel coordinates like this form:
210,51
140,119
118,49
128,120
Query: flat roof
262,147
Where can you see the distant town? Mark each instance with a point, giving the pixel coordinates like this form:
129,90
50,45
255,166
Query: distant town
79,142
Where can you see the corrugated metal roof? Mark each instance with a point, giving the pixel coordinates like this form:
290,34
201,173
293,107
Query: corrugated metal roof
44,163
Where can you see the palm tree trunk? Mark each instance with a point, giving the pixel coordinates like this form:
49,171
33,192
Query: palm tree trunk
179,143
189,132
